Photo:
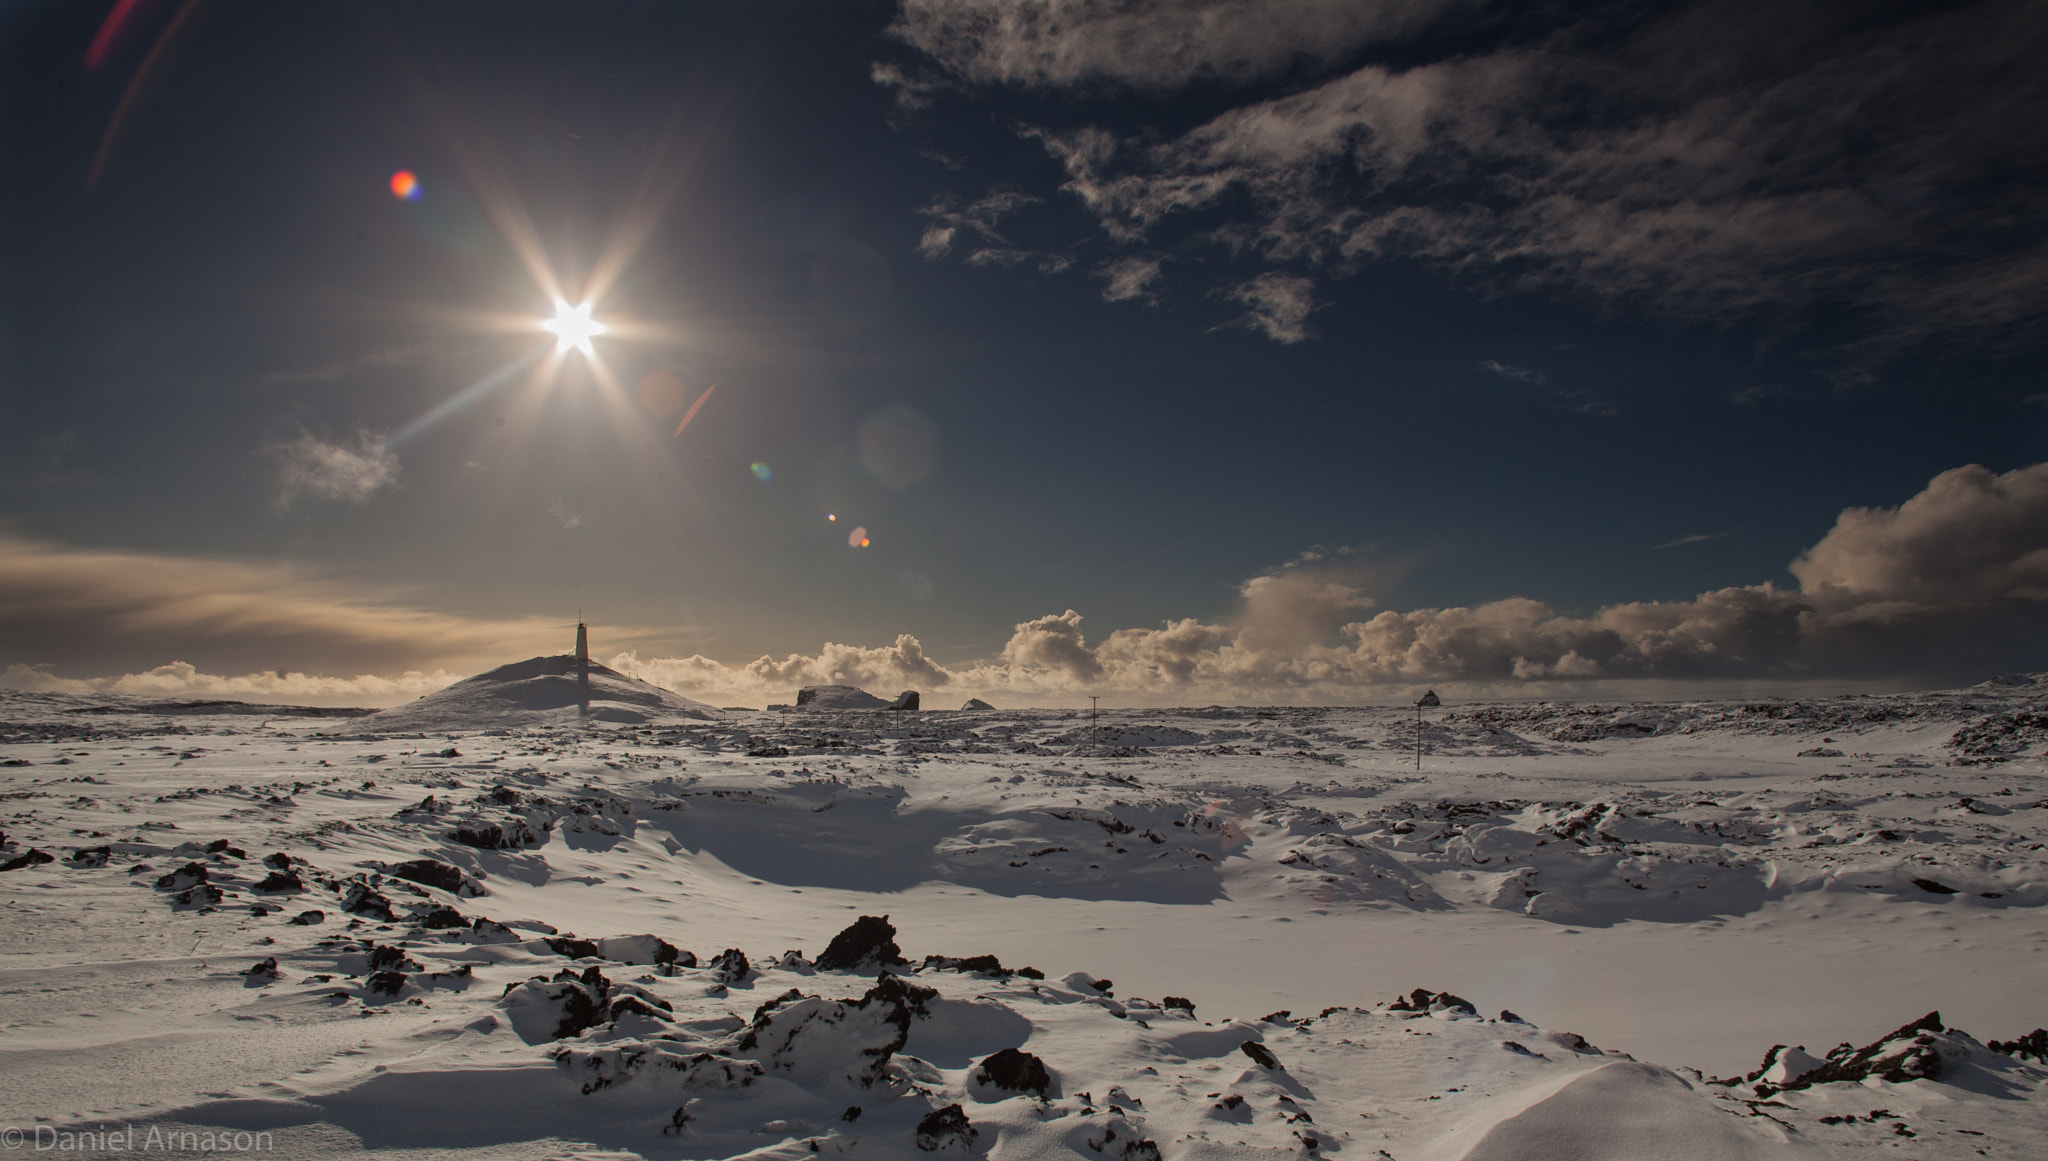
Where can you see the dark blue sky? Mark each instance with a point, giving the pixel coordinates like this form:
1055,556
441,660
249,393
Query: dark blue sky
1438,304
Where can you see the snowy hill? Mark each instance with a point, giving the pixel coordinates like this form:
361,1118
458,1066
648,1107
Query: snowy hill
541,691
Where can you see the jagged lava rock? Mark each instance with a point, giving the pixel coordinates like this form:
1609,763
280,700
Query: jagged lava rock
869,944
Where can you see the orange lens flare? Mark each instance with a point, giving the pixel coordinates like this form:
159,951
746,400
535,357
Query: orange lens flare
692,412
405,186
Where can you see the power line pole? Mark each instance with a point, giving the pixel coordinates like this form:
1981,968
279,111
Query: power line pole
1428,697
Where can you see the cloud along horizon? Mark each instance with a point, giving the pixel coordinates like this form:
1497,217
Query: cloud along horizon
1952,582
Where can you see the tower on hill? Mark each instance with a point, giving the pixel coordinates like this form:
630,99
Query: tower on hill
582,644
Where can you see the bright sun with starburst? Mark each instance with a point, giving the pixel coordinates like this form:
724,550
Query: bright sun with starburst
572,326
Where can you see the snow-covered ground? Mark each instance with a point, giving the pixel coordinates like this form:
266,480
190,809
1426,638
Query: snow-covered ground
1218,907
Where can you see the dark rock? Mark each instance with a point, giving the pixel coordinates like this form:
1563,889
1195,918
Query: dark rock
1015,1070
572,947
851,1114
1260,1055
200,895
1181,1002
506,834
619,1006
768,752
1930,885
92,856
901,998
264,971
360,899
183,877
443,919
974,963
2034,1044
278,861
390,959
1125,1148
217,846
1030,973
906,701
585,1008
730,966
437,874
385,983
32,858
853,1039
282,882
1911,1053
870,943
309,918
946,1128
1424,1000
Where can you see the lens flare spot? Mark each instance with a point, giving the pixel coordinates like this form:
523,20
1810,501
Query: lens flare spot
405,186
858,538
832,517
694,408
762,472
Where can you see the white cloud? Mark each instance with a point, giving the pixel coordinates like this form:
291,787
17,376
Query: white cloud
1128,279
562,512
1148,43
949,219
913,91
1510,371
1957,575
1695,538
1712,161
1280,305
937,241
1971,537
310,466
892,668
182,680
121,608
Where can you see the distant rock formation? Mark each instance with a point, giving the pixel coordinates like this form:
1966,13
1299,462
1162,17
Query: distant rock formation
837,697
846,697
974,704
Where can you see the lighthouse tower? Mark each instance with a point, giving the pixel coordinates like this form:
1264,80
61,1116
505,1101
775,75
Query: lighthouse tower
582,647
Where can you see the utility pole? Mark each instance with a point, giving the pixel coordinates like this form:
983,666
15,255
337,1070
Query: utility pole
1093,745
1428,697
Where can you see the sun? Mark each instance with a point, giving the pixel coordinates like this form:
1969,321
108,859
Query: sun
572,326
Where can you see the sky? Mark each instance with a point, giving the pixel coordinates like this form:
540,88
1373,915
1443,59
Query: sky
1235,351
